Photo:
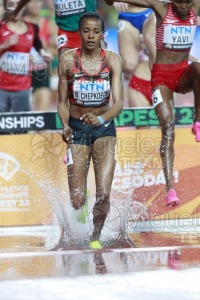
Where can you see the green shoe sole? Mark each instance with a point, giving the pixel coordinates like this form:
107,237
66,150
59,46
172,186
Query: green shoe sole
95,245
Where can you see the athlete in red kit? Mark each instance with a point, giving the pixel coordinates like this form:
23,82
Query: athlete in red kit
176,25
16,39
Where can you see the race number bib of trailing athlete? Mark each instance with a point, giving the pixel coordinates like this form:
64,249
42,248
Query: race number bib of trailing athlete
69,7
15,63
178,37
89,93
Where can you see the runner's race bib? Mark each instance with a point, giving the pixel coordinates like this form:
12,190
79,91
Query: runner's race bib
89,93
178,37
15,63
69,7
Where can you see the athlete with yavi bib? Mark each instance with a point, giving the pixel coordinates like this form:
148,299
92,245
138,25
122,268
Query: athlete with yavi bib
176,25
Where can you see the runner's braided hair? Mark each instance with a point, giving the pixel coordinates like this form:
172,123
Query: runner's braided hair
90,15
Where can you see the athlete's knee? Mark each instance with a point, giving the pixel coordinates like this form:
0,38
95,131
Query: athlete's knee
128,69
103,196
78,199
128,73
77,204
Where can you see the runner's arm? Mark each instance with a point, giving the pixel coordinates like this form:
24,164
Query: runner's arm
139,3
115,65
62,107
37,43
154,4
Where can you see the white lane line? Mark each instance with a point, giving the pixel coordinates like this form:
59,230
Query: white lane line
88,251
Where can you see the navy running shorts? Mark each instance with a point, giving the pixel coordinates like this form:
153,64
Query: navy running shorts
87,134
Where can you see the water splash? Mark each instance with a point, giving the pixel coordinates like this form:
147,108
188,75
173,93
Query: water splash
76,234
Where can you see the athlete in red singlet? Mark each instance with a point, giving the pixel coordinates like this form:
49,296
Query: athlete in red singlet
86,78
16,39
176,24
15,58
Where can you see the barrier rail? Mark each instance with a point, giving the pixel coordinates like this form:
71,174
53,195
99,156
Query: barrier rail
36,121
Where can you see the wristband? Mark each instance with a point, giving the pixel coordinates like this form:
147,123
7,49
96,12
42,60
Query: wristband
101,120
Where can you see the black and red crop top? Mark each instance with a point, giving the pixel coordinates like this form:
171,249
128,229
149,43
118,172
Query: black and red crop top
89,90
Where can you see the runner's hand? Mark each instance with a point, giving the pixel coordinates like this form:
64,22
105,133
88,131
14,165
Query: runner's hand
120,6
90,119
47,56
67,135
